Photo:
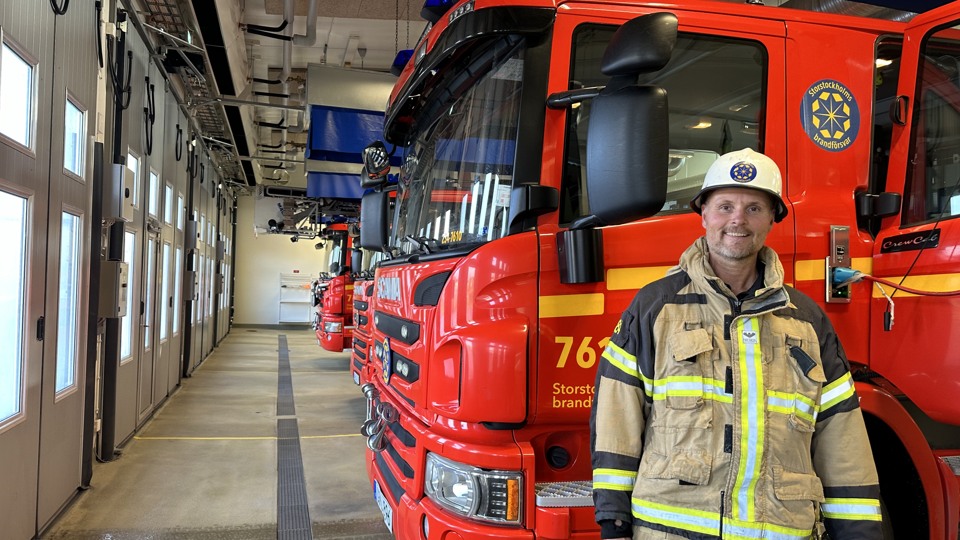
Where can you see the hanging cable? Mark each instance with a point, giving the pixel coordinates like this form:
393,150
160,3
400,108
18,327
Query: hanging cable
60,10
98,11
178,149
149,116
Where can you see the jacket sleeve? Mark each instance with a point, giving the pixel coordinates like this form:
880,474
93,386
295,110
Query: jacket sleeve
841,450
617,422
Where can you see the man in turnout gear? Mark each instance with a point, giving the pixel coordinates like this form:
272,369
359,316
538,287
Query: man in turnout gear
724,404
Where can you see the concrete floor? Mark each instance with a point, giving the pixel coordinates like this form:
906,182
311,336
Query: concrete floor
205,467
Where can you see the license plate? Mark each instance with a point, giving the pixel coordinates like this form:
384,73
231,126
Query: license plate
356,378
384,506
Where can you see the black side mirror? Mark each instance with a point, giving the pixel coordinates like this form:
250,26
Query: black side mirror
373,220
376,165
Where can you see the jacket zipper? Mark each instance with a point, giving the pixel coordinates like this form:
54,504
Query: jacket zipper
723,496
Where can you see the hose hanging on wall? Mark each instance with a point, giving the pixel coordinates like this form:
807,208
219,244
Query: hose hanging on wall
202,171
178,149
98,12
149,116
121,85
60,10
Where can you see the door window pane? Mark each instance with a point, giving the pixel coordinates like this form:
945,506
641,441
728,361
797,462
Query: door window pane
67,311
933,187
168,204
16,96
133,163
198,305
706,120
165,291
151,273
177,273
13,214
74,132
126,323
180,211
153,200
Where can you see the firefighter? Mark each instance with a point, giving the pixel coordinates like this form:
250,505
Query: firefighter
724,403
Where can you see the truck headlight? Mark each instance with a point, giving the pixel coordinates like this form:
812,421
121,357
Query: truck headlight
332,327
474,492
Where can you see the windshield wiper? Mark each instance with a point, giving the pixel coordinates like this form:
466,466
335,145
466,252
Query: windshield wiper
423,243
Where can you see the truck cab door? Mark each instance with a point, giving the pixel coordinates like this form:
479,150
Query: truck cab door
919,247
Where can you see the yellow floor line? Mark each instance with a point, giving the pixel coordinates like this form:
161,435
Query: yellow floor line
271,438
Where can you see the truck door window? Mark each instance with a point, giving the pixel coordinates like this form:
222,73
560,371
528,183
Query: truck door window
715,90
931,190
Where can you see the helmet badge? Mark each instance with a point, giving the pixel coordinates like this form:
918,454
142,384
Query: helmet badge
743,172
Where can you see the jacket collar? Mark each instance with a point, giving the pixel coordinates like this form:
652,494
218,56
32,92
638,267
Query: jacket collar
772,295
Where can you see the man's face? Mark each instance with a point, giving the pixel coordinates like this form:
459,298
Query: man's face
737,221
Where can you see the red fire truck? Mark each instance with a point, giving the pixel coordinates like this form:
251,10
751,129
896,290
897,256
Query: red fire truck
548,163
362,323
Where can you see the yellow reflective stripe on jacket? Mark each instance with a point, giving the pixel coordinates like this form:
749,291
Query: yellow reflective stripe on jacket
705,522
752,418
677,517
689,386
836,391
620,358
615,479
792,403
853,509
740,530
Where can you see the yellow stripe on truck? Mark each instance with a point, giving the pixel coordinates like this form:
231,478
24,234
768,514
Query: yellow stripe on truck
815,270
620,279
571,305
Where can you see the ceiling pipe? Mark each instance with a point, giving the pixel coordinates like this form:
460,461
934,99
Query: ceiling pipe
310,39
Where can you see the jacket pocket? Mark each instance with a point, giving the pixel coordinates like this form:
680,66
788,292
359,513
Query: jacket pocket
688,466
794,486
808,385
683,385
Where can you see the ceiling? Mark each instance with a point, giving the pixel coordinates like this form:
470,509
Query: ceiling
247,105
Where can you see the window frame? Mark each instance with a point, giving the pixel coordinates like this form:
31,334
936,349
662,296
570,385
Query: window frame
78,307
81,138
136,176
28,197
30,148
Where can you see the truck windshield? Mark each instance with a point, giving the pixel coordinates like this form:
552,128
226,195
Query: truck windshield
457,171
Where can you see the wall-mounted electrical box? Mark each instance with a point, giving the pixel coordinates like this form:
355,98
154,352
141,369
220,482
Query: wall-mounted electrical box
114,289
118,194
191,283
221,250
218,283
190,235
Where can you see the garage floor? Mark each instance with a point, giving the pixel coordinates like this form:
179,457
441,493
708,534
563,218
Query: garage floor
206,466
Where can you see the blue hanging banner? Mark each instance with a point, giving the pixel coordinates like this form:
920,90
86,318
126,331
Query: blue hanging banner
322,185
340,134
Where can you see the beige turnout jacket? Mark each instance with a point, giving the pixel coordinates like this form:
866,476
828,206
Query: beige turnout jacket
718,417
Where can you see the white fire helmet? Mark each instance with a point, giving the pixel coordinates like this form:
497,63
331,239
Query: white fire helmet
744,169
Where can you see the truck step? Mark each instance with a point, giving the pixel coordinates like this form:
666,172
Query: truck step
565,494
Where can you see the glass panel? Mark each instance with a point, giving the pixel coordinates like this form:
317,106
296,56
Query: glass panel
177,273
13,215
209,287
706,120
933,176
67,312
151,275
203,225
198,308
165,292
126,323
74,130
168,204
133,163
16,96
458,169
180,212
153,200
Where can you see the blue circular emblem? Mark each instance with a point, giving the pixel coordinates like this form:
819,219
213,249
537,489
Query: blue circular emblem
743,172
830,115
387,360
